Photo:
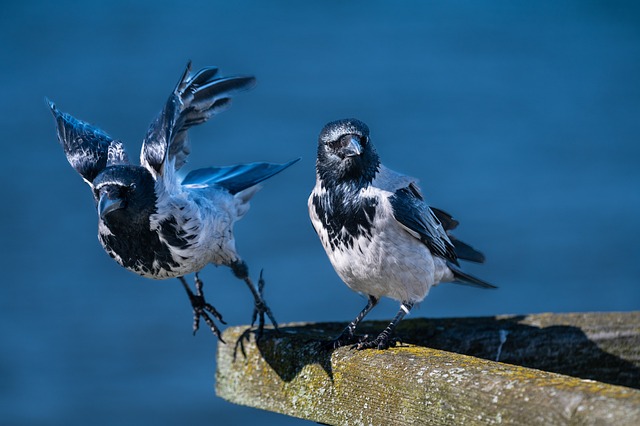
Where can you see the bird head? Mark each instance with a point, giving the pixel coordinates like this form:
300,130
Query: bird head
345,152
124,192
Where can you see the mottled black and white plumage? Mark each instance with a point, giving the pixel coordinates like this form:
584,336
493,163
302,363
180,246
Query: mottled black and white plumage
379,233
150,220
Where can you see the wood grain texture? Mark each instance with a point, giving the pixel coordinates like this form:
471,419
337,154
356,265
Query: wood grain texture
292,373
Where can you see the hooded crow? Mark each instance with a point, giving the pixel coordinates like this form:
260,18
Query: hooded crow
151,220
379,233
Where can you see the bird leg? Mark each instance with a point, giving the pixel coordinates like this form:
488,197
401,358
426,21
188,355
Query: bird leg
384,339
241,271
201,307
348,334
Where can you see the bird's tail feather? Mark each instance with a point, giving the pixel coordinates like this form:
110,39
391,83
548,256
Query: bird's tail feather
466,279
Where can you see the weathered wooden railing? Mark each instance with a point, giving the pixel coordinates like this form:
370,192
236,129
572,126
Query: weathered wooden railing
533,369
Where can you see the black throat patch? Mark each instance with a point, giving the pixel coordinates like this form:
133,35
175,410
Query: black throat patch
138,249
345,214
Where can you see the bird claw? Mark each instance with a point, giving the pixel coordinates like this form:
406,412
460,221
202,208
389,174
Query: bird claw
346,338
198,313
382,342
202,309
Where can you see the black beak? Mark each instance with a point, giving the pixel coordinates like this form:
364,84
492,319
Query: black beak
107,204
353,148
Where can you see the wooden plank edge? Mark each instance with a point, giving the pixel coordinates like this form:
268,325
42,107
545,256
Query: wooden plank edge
292,374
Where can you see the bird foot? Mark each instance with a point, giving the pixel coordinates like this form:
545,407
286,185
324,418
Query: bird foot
202,309
382,342
347,337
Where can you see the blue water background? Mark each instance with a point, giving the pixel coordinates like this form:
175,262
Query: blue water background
520,118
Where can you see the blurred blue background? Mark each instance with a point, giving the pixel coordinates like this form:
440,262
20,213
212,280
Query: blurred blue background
520,118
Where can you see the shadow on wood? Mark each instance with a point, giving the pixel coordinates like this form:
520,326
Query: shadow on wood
292,373
600,347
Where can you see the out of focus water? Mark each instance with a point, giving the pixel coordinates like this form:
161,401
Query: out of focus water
520,118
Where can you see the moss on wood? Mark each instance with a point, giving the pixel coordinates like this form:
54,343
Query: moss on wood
292,373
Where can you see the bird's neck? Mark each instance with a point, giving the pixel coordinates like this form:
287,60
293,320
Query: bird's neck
351,179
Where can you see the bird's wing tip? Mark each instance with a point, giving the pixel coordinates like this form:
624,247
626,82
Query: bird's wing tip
52,105
292,162
248,81
184,78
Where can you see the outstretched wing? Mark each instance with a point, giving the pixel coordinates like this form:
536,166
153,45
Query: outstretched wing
195,99
235,178
413,213
88,149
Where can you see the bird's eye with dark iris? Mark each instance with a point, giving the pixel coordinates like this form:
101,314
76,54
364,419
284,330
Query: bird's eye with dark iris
125,191
335,145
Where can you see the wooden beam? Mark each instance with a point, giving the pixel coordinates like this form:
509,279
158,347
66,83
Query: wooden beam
292,373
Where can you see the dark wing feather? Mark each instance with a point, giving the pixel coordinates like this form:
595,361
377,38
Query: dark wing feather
463,250
195,99
88,149
235,178
410,209
447,221
431,226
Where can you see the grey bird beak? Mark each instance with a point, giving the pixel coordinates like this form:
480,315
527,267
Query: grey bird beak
354,148
106,205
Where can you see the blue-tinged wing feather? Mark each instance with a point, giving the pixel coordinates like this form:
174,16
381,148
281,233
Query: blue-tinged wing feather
235,178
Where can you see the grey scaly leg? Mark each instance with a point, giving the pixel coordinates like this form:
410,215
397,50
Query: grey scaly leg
347,335
241,271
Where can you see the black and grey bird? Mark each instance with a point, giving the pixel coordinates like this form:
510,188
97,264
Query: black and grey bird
379,233
151,220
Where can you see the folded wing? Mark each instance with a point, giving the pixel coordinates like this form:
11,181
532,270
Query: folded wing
432,226
411,211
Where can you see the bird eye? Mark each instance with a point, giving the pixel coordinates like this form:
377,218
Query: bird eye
334,145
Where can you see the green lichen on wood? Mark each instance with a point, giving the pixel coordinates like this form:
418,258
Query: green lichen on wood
293,374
